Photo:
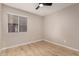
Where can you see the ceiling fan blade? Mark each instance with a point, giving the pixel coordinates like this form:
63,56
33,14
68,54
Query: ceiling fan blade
47,4
37,7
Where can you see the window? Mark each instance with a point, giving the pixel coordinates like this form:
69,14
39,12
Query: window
17,23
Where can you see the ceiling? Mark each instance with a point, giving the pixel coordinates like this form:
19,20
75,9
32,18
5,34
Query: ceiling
43,11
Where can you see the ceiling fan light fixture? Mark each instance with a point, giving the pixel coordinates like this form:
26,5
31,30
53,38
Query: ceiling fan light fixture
41,5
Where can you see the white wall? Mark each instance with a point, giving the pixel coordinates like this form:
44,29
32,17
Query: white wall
0,26
63,26
34,28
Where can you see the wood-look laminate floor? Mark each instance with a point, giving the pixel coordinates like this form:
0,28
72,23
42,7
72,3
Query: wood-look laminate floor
41,48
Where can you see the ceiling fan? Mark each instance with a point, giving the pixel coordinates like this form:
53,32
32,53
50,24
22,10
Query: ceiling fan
43,4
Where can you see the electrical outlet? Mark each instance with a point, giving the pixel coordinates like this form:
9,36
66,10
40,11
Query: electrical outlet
64,41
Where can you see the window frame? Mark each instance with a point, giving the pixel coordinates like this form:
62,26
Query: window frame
19,15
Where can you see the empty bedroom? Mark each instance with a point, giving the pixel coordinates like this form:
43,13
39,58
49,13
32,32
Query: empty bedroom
39,29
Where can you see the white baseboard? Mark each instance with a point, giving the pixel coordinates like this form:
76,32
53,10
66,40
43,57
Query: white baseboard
37,41
63,45
20,44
